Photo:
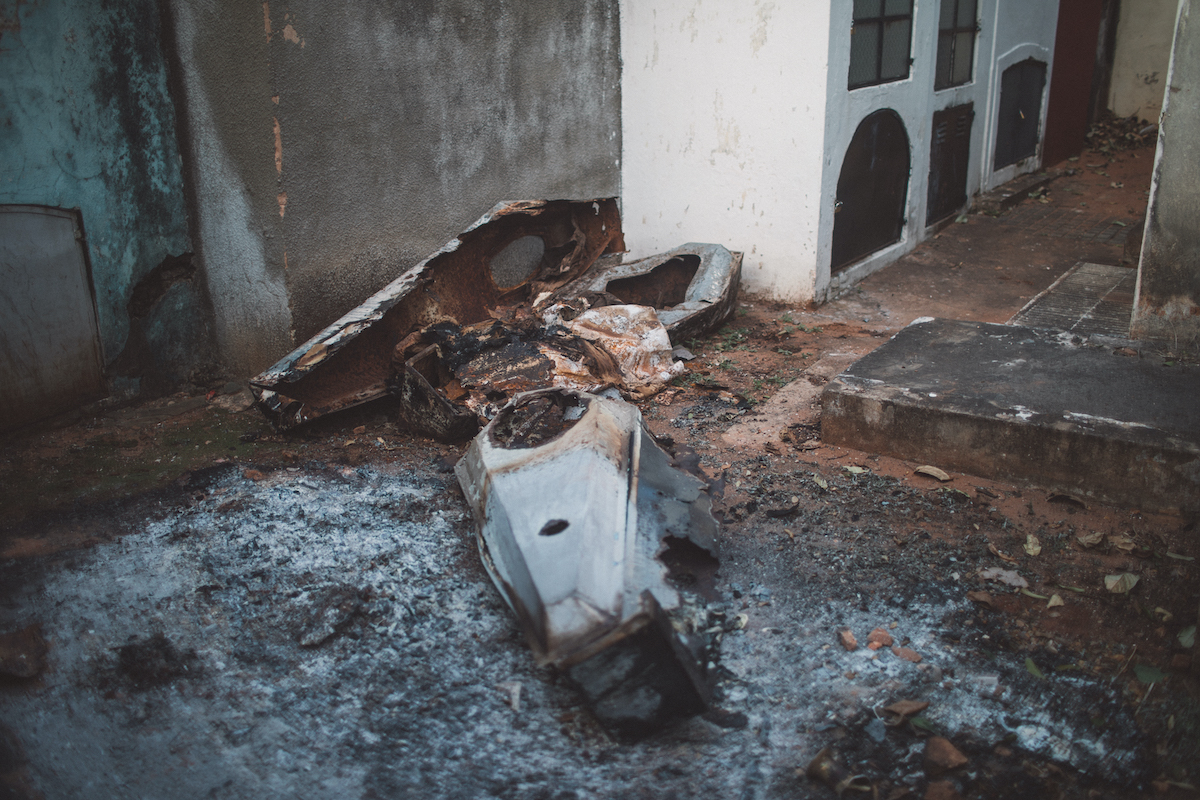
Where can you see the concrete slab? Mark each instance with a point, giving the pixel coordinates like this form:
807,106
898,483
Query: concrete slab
1037,407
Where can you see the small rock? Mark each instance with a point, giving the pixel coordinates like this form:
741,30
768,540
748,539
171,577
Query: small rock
253,475
941,756
848,641
878,638
877,730
907,654
23,653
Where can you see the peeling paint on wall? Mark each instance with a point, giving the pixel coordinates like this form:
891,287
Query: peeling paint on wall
88,123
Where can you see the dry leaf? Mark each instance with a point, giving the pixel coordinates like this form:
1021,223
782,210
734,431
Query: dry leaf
855,470
992,549
1034,595
1090,539
1120,584
1123,543
932,472
1055,601
1006,576
1163,614
1032,546
981,597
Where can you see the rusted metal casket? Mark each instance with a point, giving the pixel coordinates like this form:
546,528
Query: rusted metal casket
520,275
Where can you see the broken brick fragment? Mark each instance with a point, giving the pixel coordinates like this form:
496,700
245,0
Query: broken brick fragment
907,654
848,641
878,638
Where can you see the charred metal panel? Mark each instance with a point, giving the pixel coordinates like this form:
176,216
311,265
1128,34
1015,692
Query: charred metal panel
350,361
535,294
692,288
573,500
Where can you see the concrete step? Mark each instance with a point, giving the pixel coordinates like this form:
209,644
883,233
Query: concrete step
1034,406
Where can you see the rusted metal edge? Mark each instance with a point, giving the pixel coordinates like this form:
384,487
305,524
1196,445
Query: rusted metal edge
348,363
569,530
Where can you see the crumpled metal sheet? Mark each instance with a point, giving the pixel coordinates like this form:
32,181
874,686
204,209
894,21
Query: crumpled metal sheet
528,265
573,502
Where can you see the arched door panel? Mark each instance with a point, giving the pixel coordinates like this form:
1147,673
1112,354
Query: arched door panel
872,189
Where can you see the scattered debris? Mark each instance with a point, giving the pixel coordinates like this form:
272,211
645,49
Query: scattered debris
1032,546
846,637
878,638
941,756
826,769
573,501
1008,577
534,294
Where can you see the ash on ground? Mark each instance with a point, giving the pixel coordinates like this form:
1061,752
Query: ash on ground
329,632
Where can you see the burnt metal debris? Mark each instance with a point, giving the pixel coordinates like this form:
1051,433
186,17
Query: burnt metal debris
575,503
534,294
526,319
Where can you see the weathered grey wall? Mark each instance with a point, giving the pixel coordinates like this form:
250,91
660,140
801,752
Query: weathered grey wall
86,122
1167,307
335,146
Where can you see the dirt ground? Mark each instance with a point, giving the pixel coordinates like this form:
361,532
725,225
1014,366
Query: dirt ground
209,631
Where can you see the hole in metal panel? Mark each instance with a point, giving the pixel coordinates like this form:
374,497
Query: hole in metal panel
554,526
662,287
517,262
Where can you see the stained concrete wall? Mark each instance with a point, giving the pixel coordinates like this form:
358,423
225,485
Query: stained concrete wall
1167,301
723,130
1144,33
334,150
86,122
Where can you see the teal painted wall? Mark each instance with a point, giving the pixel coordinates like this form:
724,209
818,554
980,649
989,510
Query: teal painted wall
86,122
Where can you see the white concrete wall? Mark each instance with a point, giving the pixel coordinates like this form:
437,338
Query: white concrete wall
723,108
1144,35
736,118
1019,30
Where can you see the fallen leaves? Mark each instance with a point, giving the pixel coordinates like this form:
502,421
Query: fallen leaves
1008,577
983,598
932,472
1120,584
1033,670
1087,540
1187,637
1002,556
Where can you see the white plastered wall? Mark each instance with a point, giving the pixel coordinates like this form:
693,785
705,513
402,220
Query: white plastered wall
1016,29
736,118
723,108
